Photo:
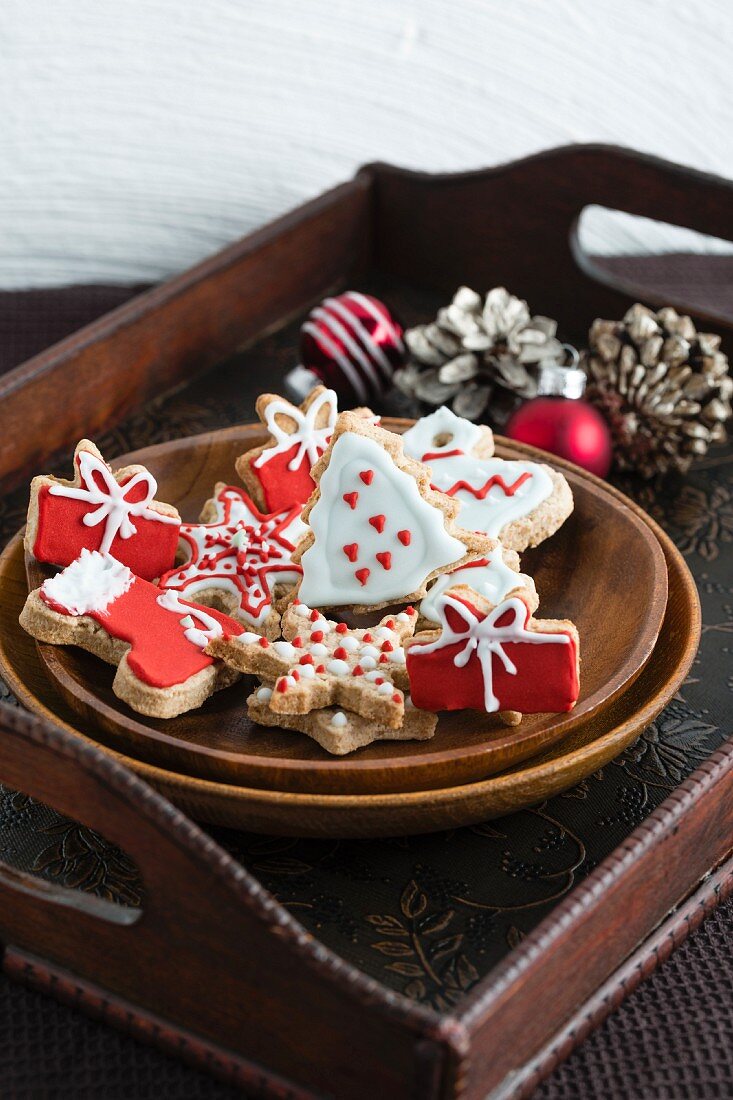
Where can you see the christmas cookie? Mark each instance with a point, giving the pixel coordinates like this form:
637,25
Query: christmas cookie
520,503
156,639
378,532
277,475
320,663
494,578
337,731
238,559
114,513
493,658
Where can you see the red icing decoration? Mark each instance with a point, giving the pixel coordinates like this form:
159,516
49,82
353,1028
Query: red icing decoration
357,670
316,635
282,686
405,537
340,653
352,551
546,680
320,668
264,643
441,454
61,535
362,575
387,646
314,616
306,659
378,522
351,499
281,487
367,476
384,559
485,489
160,654
396,698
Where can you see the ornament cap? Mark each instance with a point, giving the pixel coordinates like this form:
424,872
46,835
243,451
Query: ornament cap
299,382
555,380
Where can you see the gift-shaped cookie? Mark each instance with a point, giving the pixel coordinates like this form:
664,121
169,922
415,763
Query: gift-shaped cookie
519,502
156,639
114,513
239,559
378,532
277,475
321,662
494,578
337,731
494,658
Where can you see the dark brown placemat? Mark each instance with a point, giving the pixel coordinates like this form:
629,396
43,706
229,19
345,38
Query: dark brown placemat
485,887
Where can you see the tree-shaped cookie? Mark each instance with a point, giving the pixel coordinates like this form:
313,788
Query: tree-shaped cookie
378,532
114,513
277,475
239,559
519,502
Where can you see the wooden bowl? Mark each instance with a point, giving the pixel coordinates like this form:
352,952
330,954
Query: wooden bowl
588,748
583,573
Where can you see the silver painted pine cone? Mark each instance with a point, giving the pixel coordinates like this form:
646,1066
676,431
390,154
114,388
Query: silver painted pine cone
475,348
663,385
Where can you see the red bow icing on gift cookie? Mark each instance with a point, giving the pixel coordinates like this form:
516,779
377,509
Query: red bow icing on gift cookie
115,504
505,660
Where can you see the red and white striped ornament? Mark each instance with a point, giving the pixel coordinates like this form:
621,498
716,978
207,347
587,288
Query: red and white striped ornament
352,344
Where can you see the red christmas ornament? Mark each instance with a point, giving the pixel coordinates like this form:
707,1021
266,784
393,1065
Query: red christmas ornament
352,344
560,421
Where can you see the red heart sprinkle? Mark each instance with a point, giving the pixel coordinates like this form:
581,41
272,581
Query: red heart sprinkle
385,559
378,522
367,476
351,550
404,537
351,499
362,575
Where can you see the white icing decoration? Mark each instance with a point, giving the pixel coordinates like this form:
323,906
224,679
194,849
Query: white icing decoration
307,672
460,435
369,651
264,695
91,583
496,509
248,637
403,617
244,553
397,656
311,441
284,650
339,720
385,689
301,608
489,576
328,575
350,644
198,635
338,667
367,662
485,638
318,649
109,499
373,675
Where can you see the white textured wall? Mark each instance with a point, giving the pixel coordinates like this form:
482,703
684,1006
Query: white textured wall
137,136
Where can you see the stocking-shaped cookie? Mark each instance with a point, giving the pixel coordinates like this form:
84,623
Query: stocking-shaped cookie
493,658
520,503
277,475
378,532
114,513
239,560
156,639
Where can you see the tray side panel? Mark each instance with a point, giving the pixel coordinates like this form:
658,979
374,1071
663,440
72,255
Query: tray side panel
180,329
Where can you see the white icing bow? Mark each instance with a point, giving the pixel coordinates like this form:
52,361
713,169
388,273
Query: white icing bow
312,441
485,637
113,508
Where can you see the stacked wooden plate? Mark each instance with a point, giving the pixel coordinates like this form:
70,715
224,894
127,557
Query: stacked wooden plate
610,569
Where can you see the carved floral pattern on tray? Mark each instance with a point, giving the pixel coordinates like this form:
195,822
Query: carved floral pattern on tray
431,915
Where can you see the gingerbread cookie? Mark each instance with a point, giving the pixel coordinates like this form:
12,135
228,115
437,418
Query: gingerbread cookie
340,732
494,658
114,513
494,578
156,639
378,532
520,503
239,559
277,475
320,663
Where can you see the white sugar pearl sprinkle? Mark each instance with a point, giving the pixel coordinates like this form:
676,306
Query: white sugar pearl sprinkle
264,695
339,720
337,668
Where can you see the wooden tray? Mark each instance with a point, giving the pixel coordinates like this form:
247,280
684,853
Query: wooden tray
588,748
581,574
288,1016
